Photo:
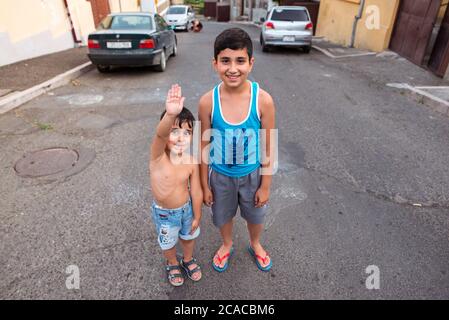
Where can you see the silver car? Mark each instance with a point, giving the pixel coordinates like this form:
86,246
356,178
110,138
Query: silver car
287,26
180,17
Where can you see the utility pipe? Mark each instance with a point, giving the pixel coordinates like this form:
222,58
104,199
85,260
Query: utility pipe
356,20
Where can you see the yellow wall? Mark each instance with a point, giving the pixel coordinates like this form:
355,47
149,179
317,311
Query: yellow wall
125,5
23,18
82,18
336,18
30,28
442,11
135,5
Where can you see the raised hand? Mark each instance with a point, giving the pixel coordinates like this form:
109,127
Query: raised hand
175,100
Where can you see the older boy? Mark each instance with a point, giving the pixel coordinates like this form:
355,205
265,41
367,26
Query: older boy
171,170
236,110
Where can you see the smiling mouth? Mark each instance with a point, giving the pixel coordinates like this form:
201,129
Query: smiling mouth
232,77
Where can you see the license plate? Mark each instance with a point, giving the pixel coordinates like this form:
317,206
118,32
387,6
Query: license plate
118,45
288,39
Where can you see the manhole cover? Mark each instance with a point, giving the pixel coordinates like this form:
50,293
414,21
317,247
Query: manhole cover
46,162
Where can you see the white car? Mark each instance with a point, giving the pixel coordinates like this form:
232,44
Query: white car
180,17
288,26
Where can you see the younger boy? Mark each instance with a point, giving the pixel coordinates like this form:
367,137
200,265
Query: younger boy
236,110
171,170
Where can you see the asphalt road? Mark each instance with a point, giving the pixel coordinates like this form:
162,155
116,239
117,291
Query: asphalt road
363,180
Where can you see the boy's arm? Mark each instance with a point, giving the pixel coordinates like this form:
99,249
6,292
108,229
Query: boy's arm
267,118
173,106
204,115
197,197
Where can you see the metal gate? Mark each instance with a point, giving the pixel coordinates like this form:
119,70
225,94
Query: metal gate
439,60
413,28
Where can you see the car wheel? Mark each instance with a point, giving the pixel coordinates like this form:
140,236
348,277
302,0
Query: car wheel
103,68
307,49
175,49
262,43
163,64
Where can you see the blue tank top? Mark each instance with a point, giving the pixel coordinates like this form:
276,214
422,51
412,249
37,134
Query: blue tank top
235,146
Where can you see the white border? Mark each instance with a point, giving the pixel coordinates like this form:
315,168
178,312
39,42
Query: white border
249,108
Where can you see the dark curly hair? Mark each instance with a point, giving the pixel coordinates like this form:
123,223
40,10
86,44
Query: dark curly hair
185,116
234,39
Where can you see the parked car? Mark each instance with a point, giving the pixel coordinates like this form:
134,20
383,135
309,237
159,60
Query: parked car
132,39
180,17
287,26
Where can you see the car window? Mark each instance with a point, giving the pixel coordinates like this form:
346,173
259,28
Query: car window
126,22
176,10
289,15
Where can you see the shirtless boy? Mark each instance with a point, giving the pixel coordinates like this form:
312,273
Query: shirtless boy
176,210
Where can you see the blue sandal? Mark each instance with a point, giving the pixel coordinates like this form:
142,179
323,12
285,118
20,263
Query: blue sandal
257,257
220,259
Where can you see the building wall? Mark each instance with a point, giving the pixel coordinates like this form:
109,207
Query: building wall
82,19
124,5
444,5
161,6
442,12
336,18
30,28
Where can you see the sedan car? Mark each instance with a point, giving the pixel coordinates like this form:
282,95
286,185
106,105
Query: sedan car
132,39
287,26
180,17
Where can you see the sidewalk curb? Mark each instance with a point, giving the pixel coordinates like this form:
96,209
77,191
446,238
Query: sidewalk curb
330,55
433,102
14,100
245,23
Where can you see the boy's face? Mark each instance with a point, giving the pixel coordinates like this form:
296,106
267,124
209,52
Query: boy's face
179,139
233,66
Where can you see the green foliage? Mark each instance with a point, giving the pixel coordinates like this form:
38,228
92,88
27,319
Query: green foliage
44,126
197,5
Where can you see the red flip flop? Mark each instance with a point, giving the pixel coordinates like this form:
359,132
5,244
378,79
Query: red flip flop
220,259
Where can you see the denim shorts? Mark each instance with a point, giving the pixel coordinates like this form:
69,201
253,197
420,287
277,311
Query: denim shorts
172,224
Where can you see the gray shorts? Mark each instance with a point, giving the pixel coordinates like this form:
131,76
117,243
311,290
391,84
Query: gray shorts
230,193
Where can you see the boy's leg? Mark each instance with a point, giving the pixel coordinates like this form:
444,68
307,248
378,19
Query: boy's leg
167,238
224,208
187,247
170,256
254,216
226,235
255,231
